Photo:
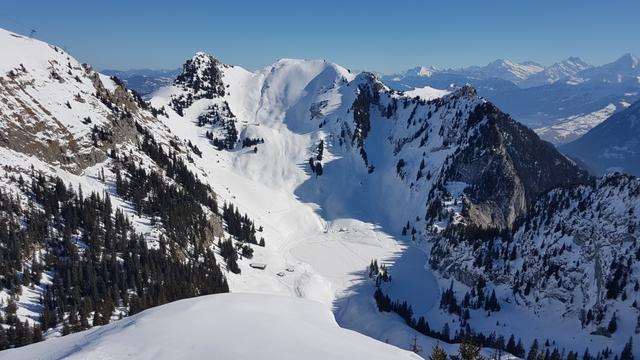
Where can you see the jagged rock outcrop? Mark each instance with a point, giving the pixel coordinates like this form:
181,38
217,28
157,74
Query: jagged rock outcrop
507,167
201,78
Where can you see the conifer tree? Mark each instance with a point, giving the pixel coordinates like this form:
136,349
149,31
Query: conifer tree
438,353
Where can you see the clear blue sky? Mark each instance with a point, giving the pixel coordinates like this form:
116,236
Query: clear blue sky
373,35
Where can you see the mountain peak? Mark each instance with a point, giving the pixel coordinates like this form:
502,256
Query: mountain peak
530,63
501,63
202,73
465,90
202,59
575,59
628,60
201,78
200,54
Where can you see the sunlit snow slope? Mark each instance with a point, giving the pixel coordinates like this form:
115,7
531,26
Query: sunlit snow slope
249,327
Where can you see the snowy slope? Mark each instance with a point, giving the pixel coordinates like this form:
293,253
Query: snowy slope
52,103
329,227
231,326
62,120
573,127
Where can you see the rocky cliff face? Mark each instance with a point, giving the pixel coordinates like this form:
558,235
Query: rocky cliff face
61,111
506,167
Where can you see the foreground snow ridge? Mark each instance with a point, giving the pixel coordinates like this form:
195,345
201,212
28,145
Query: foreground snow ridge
222,326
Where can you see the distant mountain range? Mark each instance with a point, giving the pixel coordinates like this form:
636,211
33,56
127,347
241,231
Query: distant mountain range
561,101
525,74
144,81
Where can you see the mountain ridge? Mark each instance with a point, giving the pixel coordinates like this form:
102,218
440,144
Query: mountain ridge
562,102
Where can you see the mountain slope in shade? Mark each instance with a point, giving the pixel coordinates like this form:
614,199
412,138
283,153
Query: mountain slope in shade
614,145
230,326
571,262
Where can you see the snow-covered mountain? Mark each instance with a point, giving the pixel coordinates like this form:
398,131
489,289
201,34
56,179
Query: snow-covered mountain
613,145
439,158
625,69
504,69
567,109
571,262
561,102
499,69
524,75
103,213
357,118
565,70
347,180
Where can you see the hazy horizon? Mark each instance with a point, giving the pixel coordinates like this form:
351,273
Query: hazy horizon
383,37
